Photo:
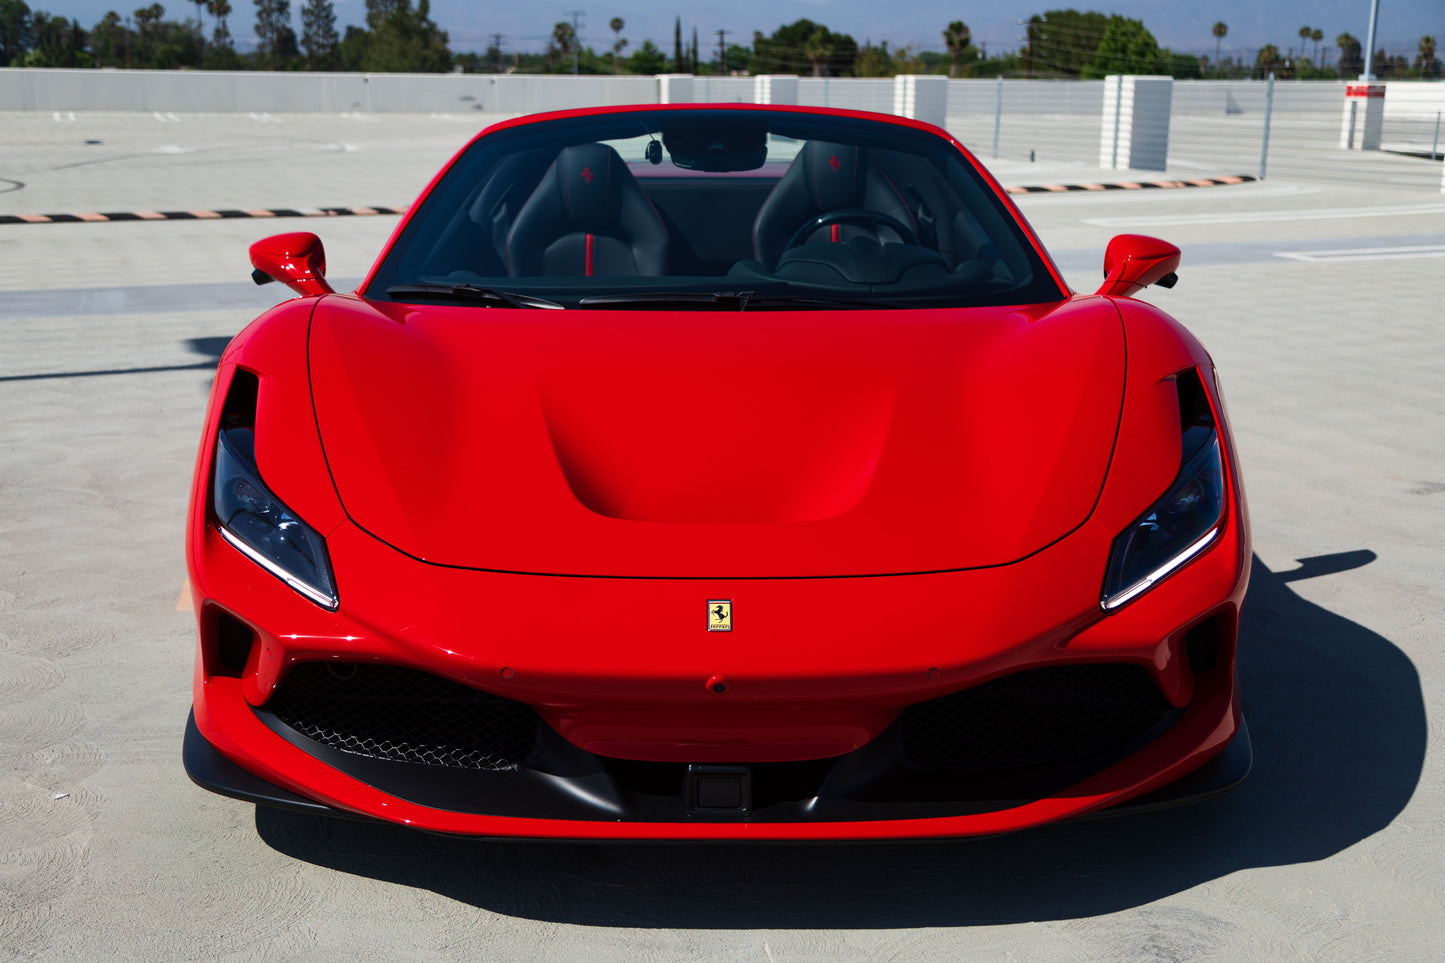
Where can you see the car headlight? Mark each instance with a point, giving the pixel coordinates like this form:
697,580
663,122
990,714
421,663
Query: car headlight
1172,531
261,527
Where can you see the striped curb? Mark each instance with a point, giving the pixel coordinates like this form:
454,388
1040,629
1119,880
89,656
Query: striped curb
1132,185
273,212
229,214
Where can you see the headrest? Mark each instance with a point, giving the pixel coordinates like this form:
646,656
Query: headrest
834,174
588,175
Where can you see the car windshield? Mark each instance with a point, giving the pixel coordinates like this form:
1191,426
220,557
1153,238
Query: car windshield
713,208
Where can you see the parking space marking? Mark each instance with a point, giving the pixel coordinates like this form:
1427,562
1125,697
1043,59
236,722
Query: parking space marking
1366,254
184,603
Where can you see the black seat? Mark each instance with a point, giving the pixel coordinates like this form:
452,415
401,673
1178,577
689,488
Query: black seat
824,178
587,217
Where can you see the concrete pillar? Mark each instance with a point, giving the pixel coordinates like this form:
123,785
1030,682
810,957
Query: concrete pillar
1364,118
922,97
775,89
1134,133
675,89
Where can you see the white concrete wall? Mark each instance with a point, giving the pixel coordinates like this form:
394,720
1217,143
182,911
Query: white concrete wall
211,91
1134,122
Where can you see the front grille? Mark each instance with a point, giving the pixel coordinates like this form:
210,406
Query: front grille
1033,717
404,715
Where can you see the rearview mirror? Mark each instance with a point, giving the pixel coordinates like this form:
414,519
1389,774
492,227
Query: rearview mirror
297,260
1132,262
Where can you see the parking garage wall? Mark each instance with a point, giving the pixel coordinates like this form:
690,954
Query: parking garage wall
214,91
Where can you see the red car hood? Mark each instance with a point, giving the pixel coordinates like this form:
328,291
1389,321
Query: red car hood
717,444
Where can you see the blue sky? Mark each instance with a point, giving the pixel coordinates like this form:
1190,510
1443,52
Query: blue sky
1175,23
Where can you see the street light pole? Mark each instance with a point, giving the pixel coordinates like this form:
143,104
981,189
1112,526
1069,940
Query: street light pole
1370,41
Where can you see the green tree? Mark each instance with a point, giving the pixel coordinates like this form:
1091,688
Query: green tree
783,52
108,40
221,55
818,48
1066,41
1127,47
873,61
17,33
620,44
1220,30
1304,35
318,34
735,58
647,59
57,43
400,39
1352,63
1427,65
1268,61
561,46
1317,35
273,29
677,55
956,37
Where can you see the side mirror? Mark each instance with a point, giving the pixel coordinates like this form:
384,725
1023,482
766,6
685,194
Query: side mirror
296,260
1132,262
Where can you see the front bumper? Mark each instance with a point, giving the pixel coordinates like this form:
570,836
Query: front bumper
539,640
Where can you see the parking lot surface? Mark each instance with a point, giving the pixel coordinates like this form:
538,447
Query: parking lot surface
1319,293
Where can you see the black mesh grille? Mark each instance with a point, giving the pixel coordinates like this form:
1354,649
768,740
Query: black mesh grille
1033,717
404,715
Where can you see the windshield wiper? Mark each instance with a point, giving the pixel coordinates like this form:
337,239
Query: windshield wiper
736,300
470,292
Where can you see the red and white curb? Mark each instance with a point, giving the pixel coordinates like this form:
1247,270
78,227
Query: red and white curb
1133,185
209,215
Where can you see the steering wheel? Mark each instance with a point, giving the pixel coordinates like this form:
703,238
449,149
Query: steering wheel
853,215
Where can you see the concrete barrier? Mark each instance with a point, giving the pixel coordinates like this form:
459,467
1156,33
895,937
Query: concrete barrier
921,97
1364,117
214,91
1134,128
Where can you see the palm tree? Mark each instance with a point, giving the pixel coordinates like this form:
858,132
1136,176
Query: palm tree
1429,66
818,48
956,37
1317,35
1267,60
1350,61
617,47
1221,29
1304,34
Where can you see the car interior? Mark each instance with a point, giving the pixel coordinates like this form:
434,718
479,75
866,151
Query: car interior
687,199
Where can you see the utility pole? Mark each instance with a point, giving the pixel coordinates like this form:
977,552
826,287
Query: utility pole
576,36
497,46
722,60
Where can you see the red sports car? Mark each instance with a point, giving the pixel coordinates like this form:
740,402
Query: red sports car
716,472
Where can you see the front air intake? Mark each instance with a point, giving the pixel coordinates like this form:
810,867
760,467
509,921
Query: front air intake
1034,717
405,715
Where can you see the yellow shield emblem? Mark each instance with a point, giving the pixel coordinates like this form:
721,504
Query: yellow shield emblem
719,615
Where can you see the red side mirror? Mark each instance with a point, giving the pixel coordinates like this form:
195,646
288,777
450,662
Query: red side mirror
296,260
1132,262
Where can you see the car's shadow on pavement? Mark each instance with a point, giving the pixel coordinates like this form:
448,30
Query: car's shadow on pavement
1338,722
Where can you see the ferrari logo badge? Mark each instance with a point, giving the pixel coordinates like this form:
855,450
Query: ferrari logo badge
719,615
